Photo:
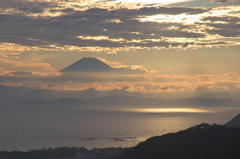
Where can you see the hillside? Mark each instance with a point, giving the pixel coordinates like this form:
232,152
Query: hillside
203,141
235,122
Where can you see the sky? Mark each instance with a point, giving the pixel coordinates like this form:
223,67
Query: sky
175,48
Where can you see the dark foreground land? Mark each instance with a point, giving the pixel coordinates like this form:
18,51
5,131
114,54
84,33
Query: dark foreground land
203,141
63,153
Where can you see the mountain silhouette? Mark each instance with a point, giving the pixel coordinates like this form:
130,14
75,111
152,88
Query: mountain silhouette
88,64
235,122
202,141
218,95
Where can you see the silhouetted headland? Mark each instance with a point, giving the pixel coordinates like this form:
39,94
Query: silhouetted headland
199,142
235,122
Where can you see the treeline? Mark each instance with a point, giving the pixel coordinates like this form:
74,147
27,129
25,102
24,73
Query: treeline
44,153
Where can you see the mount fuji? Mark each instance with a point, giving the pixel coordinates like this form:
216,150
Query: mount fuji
93,65
88,64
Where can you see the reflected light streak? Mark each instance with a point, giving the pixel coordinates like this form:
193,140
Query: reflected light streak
167,110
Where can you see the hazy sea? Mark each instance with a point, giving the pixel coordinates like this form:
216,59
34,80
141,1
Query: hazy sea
24,128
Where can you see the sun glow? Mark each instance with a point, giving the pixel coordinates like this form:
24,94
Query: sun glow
181,18
167,110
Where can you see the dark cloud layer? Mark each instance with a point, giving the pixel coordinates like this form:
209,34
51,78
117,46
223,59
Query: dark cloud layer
66,29
159,10
26,6
60,24
227,26
222,1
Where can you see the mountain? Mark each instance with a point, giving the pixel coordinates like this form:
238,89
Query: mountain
93,65
107,101
235,122
88,64
218,95
199,142
111,101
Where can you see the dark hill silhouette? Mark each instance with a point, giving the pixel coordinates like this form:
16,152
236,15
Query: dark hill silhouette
88,64
235,122
199,142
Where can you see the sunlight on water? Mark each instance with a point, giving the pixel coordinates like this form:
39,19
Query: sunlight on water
25,129
168,110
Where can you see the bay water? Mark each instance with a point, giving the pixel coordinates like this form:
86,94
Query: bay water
34,128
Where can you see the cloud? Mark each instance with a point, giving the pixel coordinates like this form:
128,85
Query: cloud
22,96
111,30
65,10
28,25
227,26
154,11
110,63
20,73
228,19
158,83
36,6
12,94
73,28
223,1
10,65
208,89
43,76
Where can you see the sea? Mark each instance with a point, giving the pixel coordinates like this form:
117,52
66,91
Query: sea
27,128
